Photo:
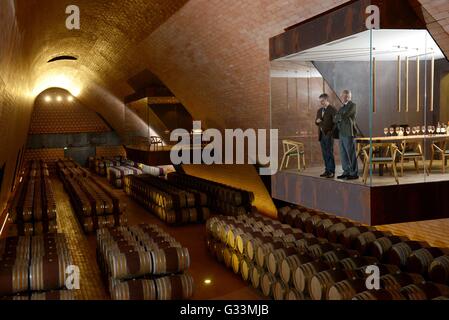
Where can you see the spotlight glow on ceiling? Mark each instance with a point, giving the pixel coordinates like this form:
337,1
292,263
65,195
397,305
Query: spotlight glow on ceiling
59,98
69,98
47,99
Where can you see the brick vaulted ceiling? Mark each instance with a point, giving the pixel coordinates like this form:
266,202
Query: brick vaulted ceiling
212,54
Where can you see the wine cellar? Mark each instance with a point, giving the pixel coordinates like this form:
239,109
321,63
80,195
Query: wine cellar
115,118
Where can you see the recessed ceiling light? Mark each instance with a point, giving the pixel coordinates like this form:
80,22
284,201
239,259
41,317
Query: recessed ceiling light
69,98
47,99
207,281
59,99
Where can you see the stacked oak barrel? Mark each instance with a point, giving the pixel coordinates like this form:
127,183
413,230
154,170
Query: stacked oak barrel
35,268
68,167
95,205
32,210
172,204
143,263
311,255
101,164
223,199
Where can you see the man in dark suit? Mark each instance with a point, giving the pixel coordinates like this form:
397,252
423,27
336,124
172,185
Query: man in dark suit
325,122
345,120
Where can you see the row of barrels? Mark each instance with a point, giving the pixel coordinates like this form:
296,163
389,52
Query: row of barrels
410,256
100,165
32,209
223,199
287,263
69,168
95,205
143,262
116,174
58,295
170,203
33,264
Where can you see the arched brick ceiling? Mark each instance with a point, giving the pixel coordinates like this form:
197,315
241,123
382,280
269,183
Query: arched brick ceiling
212,54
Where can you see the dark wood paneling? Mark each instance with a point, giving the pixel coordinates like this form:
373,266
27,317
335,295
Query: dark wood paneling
174,116
369,205
342,22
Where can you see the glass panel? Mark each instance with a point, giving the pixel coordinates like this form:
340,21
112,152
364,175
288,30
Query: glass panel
303,119
407,71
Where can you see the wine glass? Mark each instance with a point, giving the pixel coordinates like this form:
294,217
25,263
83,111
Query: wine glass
391,131
423,129
398,130
408,130
386,131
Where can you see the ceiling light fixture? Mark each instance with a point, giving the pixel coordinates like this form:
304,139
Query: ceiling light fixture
59,99
69,98
47,99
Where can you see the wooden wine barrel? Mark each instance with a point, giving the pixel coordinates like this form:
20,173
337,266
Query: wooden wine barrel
256,276
384,269
300,219
253,244
131,264
363,240
334,231
419,261
48,273
294,295
425,291
441,298
289,265
379,295
380,247
236,261
227,257
141,289
15,247
170,260
233,233
306,242
267,284
349,235
312,222
296,235
264,250
439,269
400,252
177,287
347,289
14,278
246,267
317,250
322,227
357,262
321,282
61,295
279,290
304,273
282,213
241,241
277,256
399,280
219,251
334,257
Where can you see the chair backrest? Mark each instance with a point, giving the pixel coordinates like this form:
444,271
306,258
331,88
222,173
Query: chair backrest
384,149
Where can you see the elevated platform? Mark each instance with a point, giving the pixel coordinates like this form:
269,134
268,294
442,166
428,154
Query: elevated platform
380,201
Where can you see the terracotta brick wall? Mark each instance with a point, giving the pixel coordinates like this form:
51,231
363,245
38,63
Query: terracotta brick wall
109,152
64,116
43,154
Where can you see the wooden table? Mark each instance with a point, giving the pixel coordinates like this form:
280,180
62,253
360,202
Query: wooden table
396,140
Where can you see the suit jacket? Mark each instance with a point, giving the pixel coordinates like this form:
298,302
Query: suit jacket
326,126
345,120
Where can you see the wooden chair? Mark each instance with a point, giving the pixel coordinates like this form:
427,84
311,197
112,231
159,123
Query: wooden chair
156,141
293,149
382,154
411,151
440,148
